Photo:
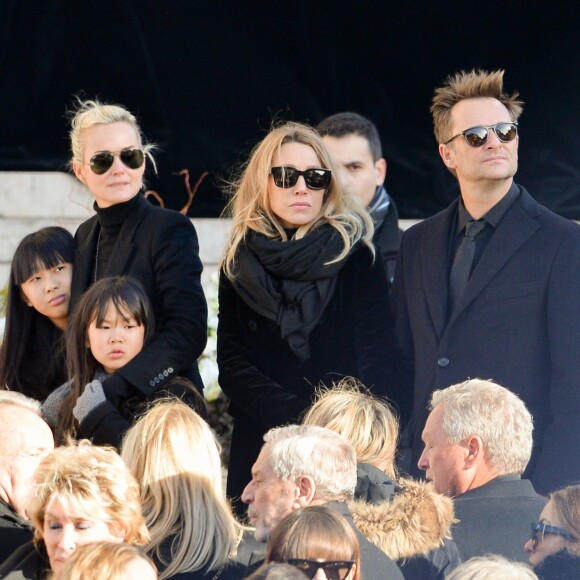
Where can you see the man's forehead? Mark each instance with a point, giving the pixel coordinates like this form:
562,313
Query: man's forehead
434,421
350,148
478,111
263,464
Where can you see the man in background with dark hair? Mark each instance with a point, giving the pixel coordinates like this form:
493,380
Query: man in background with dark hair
355,145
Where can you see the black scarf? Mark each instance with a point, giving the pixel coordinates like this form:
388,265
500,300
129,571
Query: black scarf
559,566
288,282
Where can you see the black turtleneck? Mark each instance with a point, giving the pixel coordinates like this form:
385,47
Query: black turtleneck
111,219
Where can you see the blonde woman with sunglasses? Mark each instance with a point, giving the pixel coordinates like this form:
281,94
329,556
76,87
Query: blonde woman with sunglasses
302,299
129,236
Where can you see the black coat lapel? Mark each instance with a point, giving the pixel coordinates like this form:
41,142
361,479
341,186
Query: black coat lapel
434,245
125,246
84,259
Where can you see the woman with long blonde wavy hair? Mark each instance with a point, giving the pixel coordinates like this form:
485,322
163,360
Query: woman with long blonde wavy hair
302,299
175,457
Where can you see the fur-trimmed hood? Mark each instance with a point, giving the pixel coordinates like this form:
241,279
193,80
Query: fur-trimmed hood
414,522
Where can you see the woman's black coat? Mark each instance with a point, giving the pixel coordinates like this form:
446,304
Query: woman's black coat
269,386
159,248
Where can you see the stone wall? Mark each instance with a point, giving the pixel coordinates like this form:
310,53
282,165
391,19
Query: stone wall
32,200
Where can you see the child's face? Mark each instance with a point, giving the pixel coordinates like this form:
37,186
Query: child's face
48,292
118,340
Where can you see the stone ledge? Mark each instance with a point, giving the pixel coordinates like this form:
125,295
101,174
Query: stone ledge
33,200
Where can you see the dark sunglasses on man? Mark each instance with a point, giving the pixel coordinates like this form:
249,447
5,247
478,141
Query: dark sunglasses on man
288,177
334,569
540,529
101,162
477,136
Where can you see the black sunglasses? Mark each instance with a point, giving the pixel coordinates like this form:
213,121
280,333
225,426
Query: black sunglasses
540,529
101,162
288,177
334,569
477,136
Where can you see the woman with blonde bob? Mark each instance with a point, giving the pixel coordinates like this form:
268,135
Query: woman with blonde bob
174,455
82,494
111,561
302,299
316,539
370,424
404,518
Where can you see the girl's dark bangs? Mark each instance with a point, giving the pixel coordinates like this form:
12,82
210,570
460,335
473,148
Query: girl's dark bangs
42,254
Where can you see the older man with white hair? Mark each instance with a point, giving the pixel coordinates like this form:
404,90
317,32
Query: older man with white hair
305,465
25,439
478,442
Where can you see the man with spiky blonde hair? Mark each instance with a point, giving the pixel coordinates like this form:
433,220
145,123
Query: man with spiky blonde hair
490,286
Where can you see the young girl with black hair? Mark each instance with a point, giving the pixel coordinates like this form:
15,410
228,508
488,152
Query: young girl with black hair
32,359
110,326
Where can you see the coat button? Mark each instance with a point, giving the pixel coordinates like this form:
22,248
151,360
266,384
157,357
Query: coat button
152,383
443,362
165,373
253,325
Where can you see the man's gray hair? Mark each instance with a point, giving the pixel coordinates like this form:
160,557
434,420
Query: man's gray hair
498,416
19,400
322,454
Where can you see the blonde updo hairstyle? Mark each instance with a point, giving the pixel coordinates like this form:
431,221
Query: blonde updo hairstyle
96,481
89,113
250,208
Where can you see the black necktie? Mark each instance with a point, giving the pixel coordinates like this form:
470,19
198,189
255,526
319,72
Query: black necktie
461,268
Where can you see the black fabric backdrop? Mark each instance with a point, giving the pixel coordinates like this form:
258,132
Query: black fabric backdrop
207,78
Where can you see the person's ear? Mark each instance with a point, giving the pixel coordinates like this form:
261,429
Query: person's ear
119,531
474,450
448,155
381,169
78,171
305,490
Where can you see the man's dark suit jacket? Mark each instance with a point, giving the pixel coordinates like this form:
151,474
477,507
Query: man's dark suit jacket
495,518
517,323
14,531
159,248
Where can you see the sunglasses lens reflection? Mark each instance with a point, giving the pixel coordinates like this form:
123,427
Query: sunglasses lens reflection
101,162
132,158
477,136
506,132
288,177
317,178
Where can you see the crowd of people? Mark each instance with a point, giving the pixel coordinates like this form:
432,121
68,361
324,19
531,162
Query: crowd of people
363,444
